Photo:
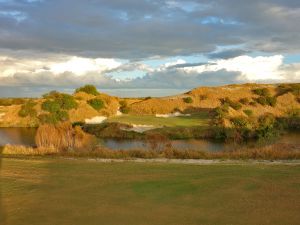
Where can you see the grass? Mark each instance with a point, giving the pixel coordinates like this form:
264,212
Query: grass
199,119
57,191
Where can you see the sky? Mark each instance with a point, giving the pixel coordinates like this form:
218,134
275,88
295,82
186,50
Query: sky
146,47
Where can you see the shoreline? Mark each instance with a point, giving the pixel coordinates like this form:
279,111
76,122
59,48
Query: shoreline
291,162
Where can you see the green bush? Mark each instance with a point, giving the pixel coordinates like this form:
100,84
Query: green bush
27,109
124,108
49,118
54,118
271,101
220,112
244,101
239,122
188,100
264,92
50,106
89,89
261,100
267,126
96,103
248,112
232,104
66,101
62,115
56,101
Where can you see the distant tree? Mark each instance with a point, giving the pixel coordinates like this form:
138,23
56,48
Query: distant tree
89,89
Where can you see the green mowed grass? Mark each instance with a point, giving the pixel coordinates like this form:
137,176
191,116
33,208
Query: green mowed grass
57,191
199,119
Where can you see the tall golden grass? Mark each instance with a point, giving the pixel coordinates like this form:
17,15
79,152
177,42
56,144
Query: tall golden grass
63,137
23,150
271,152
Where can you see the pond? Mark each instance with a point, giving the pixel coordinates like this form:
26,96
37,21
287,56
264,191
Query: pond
25,136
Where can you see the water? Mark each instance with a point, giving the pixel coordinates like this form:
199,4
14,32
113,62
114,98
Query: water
17,136
25,136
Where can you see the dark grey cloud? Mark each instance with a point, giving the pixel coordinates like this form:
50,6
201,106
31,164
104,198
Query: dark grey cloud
135,29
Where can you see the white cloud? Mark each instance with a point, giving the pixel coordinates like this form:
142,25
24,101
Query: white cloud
79,66
251,68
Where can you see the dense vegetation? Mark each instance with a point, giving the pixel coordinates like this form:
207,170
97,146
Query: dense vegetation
124,108
27,109
232,104
188,100
57,106
265,97
96,103
89,89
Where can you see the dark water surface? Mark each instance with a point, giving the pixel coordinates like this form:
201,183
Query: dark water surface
25,136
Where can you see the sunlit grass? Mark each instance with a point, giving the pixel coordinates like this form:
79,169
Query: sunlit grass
199,119
53,191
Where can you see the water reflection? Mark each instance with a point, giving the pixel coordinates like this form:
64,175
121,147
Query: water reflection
17,136
25,136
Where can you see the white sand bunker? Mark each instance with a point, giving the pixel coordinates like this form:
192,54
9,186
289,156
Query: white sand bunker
171,115
139,128
95,120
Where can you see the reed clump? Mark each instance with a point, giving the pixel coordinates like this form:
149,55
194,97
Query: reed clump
64,137
29,151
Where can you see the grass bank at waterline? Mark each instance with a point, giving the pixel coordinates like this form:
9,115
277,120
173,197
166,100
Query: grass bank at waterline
60,191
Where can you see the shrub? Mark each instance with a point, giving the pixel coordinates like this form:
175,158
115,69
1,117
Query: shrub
27,109
147,98
63,137
62,115
253,103
54,118
11,101
96,103
266,126
89,89
248,112
239,122
264,92
285,88
48,118
66,101
244,101
124,108
220,112
232,104
271,101
50,106
188,100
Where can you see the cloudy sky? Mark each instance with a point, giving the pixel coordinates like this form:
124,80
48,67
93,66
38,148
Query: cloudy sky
146,47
